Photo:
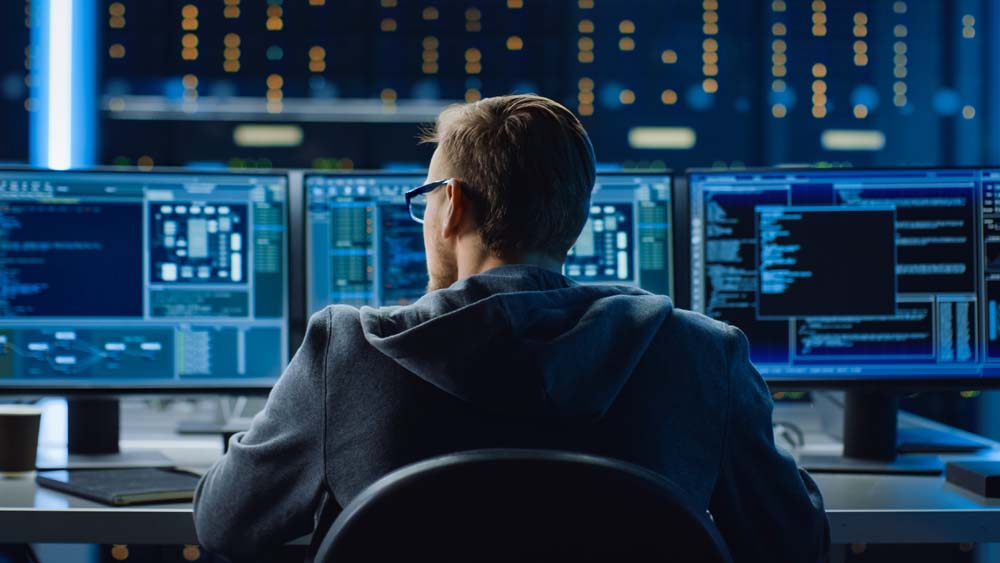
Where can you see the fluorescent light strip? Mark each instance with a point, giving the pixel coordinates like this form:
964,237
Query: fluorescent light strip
676,138
852,140
267,135
60,84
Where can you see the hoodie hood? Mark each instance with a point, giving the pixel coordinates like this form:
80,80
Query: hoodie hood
523,339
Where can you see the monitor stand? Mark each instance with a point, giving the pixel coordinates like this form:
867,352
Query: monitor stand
871,420
228,420
93,431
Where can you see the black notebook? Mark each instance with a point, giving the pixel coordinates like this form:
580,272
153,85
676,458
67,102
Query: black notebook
122,487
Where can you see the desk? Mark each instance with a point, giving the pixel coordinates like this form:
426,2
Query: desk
906,509
33,514
897,508
861,508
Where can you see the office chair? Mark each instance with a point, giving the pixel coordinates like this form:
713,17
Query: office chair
522,505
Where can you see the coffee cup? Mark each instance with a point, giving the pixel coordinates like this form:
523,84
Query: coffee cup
18,439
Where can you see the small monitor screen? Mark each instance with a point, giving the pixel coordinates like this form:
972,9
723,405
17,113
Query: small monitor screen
138,279
364,249
841,274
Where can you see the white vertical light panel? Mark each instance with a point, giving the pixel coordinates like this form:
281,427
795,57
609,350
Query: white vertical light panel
60,77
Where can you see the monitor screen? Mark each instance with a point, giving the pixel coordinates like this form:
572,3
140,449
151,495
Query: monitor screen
363,248
852,274
138,279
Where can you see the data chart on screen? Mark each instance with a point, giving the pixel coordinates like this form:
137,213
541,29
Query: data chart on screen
131,279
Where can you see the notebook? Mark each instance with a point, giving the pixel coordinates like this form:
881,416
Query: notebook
123,487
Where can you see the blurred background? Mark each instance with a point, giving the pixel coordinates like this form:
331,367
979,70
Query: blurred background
345,83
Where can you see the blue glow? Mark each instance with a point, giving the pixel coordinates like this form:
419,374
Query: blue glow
610,95
785,97
946,102
205,165
64,76
60,77
320,87
525,87
222,89
173,89
117,87
698,98
426,89
405,166
865,95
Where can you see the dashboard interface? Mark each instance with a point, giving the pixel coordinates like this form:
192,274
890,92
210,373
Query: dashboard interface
142,279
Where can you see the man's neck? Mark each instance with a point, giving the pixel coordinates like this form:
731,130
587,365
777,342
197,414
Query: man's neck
479,262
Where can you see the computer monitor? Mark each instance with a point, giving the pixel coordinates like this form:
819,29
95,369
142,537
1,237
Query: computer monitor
363,248
870,280
130,280
843,274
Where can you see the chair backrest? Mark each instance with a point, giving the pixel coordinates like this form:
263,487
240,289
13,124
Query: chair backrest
522,505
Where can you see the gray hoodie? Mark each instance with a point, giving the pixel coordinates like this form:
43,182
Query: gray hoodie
514,357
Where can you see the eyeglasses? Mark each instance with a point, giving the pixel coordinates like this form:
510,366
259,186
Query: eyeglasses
416,199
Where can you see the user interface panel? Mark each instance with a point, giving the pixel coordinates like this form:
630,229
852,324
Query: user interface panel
131,279
852,273
364,249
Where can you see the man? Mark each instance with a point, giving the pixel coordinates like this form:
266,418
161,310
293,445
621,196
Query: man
505,351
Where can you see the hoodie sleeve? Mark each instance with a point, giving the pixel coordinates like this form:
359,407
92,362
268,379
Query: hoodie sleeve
766,507
266,490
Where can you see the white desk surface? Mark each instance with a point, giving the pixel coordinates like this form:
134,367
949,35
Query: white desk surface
861,508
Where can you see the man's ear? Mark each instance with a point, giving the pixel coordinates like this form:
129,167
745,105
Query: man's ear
455,209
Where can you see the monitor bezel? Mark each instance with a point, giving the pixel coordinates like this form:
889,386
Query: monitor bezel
189,388
872,382
678,247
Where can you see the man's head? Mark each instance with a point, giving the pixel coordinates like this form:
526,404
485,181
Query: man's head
522,169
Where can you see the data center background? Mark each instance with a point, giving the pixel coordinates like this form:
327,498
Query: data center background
710,83
657,83
723,82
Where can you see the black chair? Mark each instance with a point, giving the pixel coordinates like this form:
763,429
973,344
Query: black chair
522,505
